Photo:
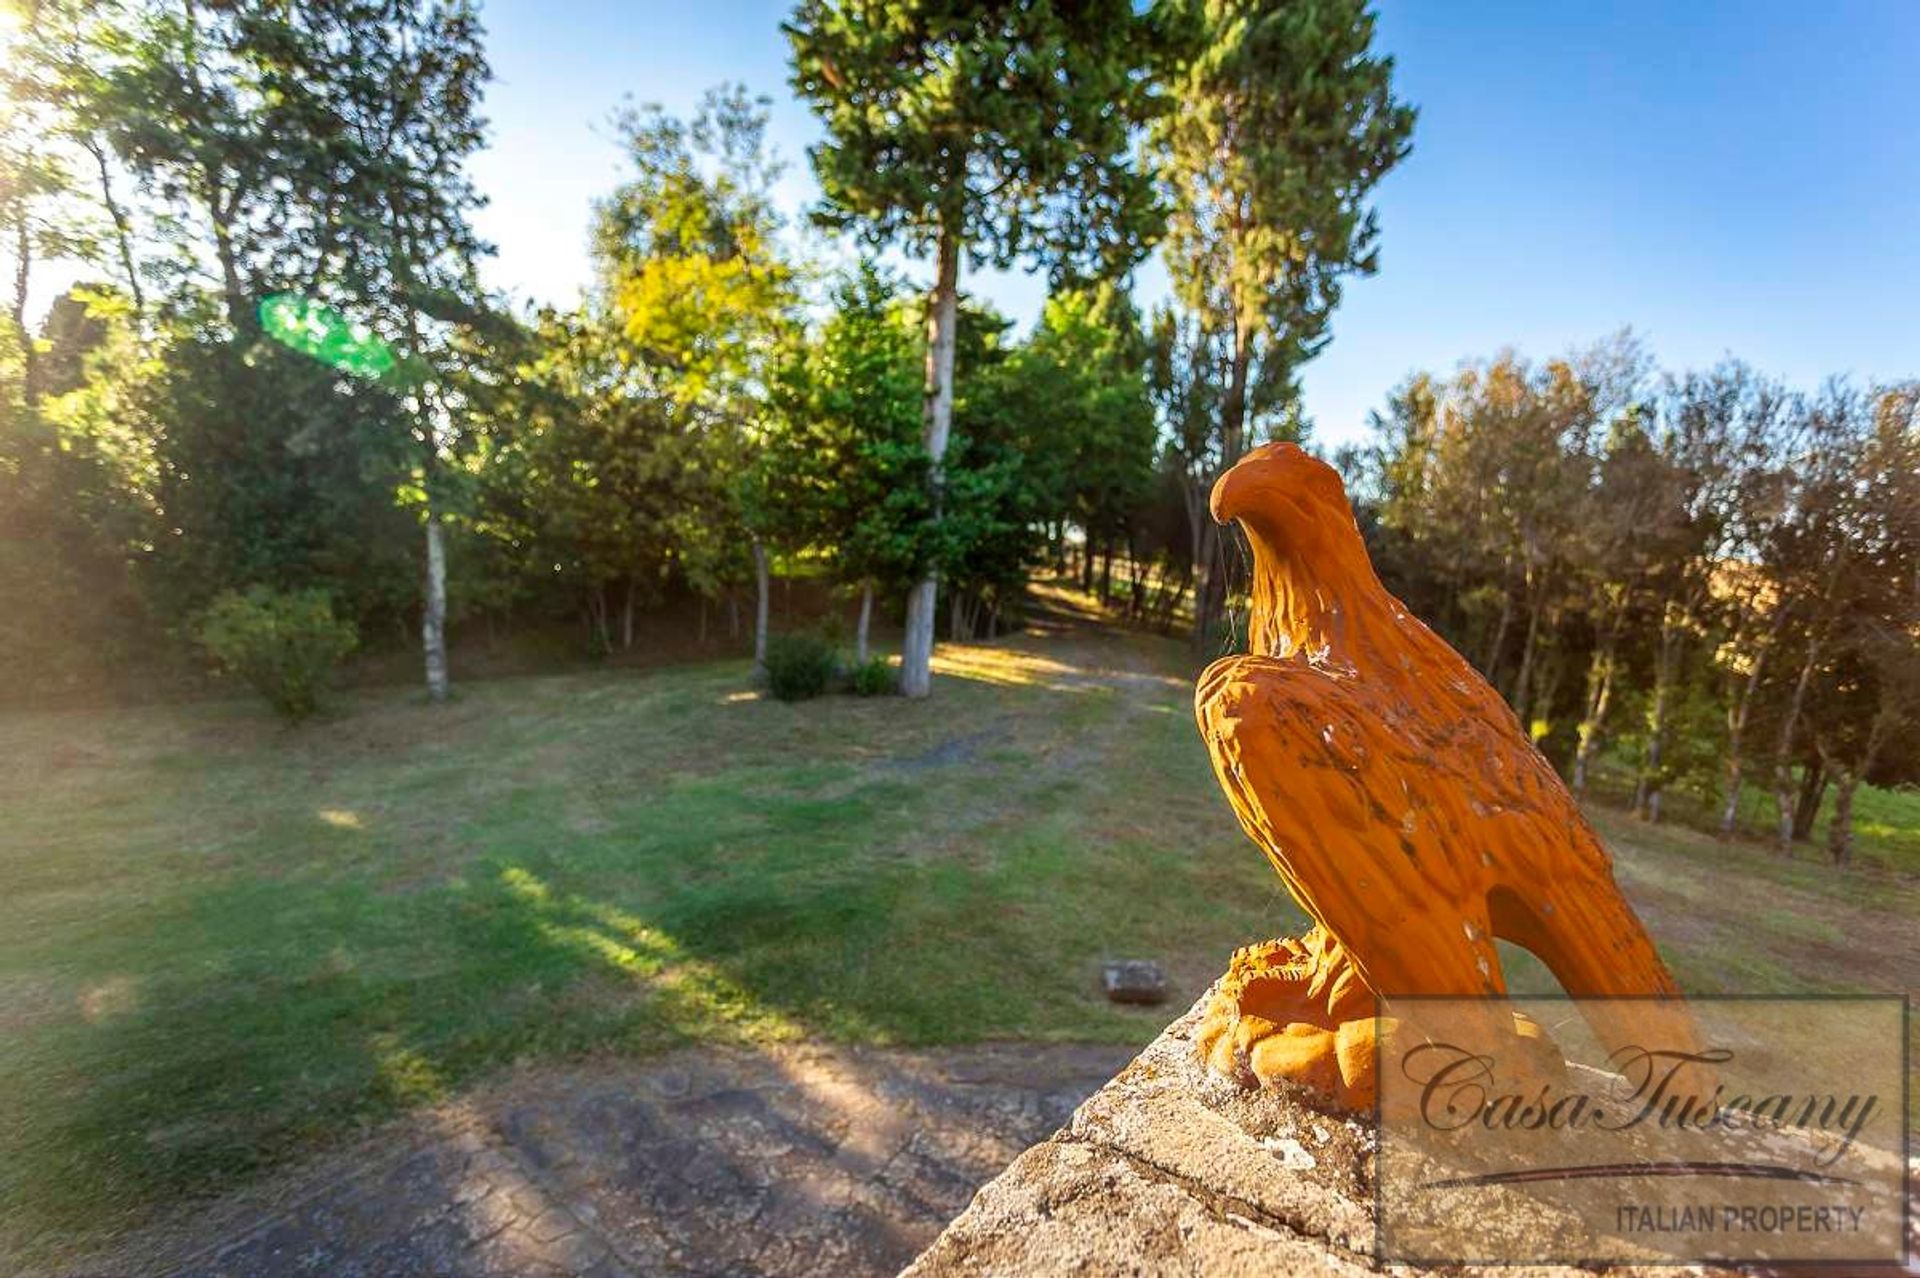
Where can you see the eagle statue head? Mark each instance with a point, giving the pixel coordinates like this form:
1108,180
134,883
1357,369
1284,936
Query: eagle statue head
1294,509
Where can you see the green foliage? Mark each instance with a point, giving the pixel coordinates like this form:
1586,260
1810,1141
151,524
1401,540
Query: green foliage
1282,122
282,644
1090,423
687,247
1712,573
875,678
800,666
697,295
212,155
1005,129
842,473
270,467
77,468
986,131
590,476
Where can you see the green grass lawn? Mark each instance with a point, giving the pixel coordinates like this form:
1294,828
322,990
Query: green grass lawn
1886,823
223,943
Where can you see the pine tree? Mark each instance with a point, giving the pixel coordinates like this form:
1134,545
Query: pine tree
1283,122
1000,132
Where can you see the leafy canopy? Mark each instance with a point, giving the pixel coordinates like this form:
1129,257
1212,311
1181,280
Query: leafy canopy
1008,126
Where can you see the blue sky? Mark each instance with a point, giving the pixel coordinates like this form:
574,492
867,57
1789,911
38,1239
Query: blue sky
1736,179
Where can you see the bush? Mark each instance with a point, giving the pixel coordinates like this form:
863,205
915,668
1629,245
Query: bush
874,679
283,644
800,666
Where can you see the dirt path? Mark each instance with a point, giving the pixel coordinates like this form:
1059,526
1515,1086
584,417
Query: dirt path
796,1161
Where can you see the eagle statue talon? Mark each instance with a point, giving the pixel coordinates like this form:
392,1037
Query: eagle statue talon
1405,808
1293,1010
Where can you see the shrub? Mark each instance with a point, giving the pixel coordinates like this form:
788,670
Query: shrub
874,679
800,666
284,644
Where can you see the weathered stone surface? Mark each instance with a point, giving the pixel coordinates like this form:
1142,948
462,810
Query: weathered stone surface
1171,1169
788,1161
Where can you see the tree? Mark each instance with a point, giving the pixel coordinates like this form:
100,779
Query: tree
990,131
591,474
1715,429
1868,698
257,495
314,147
1815,559
63,72
844,473
37,219
76,467
1484,478
695,284
1186,398
1283,122
1613,563
1091,418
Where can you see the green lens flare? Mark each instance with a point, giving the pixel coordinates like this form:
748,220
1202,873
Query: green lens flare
318,330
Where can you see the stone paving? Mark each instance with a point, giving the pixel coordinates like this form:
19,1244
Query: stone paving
723,1162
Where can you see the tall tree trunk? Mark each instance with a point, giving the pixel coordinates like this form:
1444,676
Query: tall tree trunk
861,627
599,631
1806,803
1522,698
22,277
1213,568
1736,777
220,203
1647,790
1233,405
1738,714
1490,662
1840,826
626,619
1106,573
433,612
1200,526
916,654
1646,787
1784,797
1136,579
1593,721
761,588
122,228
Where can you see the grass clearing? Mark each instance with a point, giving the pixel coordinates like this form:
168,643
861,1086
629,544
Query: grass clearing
224,943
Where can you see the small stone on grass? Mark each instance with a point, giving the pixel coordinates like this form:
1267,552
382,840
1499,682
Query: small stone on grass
1134,981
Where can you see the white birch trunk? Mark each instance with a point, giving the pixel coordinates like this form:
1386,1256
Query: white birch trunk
433,613
916,655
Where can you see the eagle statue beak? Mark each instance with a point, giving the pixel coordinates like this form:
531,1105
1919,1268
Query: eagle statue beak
1233,491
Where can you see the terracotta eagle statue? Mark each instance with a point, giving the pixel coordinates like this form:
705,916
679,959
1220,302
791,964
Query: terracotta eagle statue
1398,797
